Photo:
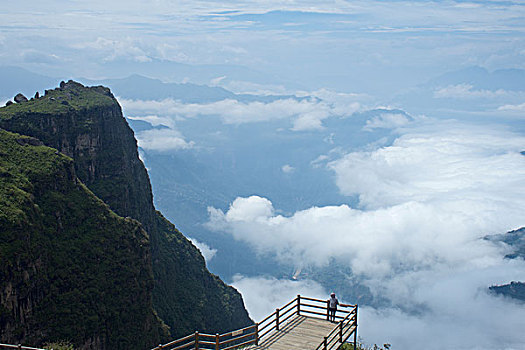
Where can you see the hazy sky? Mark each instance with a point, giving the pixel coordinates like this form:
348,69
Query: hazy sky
338,44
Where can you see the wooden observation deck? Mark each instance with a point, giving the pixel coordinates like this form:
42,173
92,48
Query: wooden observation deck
301,324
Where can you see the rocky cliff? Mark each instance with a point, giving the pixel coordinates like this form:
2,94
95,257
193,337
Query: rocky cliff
70,268
87,125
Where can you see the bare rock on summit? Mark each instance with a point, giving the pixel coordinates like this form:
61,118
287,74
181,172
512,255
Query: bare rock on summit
20,98
27,140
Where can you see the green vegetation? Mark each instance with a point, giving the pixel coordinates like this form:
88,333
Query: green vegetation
187,293
59,345
71,96
75,267
78,270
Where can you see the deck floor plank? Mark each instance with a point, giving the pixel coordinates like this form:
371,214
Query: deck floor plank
304,333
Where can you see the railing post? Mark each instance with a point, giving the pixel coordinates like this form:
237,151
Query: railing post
298,305
197,340
216,341
277,319
325,342
256,334
19,346
160,346
355,331
341,332
328,310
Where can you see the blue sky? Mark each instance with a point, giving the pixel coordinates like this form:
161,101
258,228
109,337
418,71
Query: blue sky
309,44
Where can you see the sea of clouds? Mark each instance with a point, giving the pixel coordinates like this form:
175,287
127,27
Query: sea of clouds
416,238
426,200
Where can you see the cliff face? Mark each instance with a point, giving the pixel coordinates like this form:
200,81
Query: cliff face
59,251
87,125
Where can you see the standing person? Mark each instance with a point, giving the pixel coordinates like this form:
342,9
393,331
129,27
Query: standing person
332,307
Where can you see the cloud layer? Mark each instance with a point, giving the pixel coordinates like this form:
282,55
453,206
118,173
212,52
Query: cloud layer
162,140
307,41
426,200
302,114
262,295
425,203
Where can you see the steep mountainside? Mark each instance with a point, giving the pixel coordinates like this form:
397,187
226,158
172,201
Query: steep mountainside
60,250
87,125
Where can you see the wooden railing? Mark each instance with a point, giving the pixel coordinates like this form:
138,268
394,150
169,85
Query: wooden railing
19,346
344,329
252,335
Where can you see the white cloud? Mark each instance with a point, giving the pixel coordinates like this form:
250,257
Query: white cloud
458,304
200,32
154,120
435,160
465,91
386,121
343,104
207,252
249,209
217,81
459,308
513,108
304,114
125,49
247,87
262,295
377,243
426,202
162,140
287,169
319,161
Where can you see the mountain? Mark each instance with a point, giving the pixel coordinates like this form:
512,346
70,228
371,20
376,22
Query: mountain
515,239
514,290
140,87
466,93
480,78
16,79
86,124
60,249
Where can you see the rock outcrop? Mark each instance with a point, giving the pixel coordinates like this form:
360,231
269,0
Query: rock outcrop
19,98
